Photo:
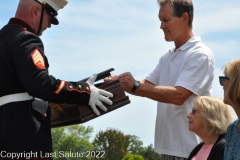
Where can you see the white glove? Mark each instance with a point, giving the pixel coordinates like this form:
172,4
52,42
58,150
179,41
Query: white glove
98,96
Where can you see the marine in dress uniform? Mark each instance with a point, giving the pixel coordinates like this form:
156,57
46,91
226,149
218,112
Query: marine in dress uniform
25,122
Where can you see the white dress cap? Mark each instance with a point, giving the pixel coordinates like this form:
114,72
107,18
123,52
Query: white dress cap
55,4
52,6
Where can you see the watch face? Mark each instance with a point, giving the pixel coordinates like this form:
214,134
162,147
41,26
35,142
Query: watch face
137,83
135,86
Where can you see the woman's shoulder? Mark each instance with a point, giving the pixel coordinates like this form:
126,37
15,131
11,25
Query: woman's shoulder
233,124
232,129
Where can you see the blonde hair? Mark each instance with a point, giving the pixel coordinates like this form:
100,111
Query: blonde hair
232,71
216,115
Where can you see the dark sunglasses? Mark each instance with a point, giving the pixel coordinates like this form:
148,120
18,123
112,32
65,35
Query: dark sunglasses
222,79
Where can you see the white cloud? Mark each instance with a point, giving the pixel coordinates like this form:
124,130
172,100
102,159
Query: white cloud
220,18
224,50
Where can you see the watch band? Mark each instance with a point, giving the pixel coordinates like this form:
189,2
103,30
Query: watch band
136,84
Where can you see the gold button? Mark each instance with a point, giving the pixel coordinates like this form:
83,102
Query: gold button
79,86
25,29
87,89
45,115
71,87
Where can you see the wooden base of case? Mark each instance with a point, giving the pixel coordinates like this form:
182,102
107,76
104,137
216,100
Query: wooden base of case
69,114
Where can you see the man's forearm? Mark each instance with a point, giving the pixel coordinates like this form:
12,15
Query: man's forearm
166,94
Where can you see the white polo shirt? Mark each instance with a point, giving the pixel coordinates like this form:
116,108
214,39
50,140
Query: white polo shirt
191,66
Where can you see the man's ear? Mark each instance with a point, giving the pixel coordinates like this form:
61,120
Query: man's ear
185,17
35,12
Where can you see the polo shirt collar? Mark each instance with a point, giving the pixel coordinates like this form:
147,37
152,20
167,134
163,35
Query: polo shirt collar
188,44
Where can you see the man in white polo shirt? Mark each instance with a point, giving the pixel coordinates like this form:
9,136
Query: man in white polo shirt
183,72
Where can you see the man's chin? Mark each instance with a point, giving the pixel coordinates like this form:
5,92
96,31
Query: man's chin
40,34
168,39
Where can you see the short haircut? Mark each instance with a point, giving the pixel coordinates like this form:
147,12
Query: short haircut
232,71
179,7
216,115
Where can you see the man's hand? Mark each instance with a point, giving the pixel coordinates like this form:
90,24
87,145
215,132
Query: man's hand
98,96
126,79
112,77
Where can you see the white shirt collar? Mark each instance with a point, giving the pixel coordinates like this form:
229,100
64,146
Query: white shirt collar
188,44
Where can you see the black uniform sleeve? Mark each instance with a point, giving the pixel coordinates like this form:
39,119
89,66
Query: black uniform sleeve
32,69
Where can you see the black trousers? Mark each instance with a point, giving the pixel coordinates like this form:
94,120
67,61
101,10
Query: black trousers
24,129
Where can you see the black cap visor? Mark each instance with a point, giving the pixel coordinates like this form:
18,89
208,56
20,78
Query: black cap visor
54,20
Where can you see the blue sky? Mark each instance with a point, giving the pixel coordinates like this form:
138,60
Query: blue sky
95,35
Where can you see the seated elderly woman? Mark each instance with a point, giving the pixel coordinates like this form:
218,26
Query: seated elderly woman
209,120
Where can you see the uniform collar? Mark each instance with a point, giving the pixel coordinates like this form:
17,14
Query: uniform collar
21,23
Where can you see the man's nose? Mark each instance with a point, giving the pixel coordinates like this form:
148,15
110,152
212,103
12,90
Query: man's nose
162,25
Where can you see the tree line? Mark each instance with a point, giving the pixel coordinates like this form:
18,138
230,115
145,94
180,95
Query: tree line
73,143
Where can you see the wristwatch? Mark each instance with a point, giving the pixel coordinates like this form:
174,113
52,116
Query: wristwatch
136,84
